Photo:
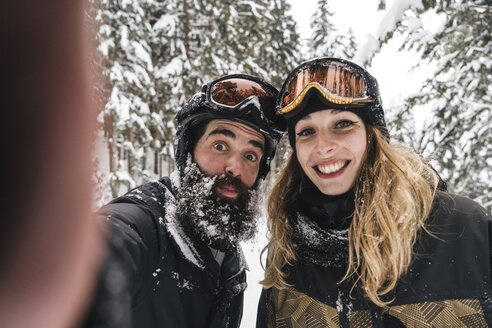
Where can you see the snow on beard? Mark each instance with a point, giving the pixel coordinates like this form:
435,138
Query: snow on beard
219,221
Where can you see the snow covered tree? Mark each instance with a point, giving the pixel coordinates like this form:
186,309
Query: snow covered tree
257,37
280,49
156,54
240,25
458,94
130,119
401,125
278,52
325,41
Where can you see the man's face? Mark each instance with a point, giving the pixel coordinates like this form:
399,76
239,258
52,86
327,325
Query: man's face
217,201
232,149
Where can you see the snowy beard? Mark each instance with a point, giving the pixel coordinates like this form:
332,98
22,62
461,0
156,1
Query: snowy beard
221,222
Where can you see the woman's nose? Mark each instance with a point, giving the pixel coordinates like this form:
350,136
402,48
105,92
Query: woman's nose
325,145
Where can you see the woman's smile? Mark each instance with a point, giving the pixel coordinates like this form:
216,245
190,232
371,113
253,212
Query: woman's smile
329,170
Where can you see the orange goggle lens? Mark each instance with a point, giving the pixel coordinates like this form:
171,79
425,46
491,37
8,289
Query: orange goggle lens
337,82
231,92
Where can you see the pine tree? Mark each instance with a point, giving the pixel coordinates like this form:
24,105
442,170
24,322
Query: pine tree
325,41
164,17
279,53
242,26
256,37
279,49
461,98
156,54
130,118
457,95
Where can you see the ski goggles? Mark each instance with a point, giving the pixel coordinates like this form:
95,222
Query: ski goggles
240,94
339,82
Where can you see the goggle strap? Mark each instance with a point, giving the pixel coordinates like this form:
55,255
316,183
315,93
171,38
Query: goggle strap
251,100
331,97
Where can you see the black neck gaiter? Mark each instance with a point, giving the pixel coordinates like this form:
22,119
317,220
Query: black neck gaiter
329,212
320,227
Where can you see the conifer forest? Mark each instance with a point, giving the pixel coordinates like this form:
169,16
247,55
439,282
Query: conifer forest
151,55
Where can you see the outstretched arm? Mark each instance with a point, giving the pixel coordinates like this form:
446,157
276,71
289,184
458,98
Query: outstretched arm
49,241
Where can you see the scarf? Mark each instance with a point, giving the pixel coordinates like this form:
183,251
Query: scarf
320,227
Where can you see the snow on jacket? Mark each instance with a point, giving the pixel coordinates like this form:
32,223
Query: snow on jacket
448,284
156,276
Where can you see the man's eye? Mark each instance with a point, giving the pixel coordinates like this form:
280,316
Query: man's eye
344,124
305,132
220,146
251,157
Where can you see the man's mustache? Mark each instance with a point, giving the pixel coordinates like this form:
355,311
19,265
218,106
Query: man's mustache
227,180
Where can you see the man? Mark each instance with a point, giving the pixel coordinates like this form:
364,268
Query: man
174,258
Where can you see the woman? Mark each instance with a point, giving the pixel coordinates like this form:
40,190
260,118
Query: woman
362,232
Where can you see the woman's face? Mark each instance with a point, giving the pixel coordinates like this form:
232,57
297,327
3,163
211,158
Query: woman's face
330,147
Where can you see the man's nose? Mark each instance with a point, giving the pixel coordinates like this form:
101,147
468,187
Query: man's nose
233,166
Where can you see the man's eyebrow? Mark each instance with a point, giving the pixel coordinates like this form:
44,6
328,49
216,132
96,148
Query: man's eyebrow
229,133
226,132
256,144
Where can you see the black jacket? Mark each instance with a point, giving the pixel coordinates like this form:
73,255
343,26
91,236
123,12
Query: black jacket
156,276
448,284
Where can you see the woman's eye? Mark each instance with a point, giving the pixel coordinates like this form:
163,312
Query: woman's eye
305,132
344,124
220,146
251,157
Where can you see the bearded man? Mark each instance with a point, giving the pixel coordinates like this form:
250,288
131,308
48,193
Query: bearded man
174,258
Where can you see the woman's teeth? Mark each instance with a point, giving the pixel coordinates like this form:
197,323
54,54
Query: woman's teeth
331,168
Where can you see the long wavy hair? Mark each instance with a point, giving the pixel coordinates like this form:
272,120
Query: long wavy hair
393,198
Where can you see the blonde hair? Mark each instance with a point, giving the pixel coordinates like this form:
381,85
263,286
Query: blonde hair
393,198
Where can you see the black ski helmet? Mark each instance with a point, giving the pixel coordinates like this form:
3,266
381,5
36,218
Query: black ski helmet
199,109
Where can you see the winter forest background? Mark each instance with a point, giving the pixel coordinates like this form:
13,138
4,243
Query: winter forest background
154,54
